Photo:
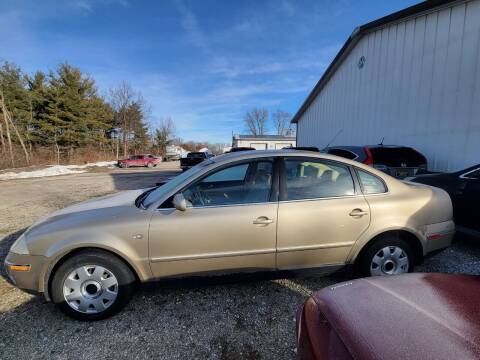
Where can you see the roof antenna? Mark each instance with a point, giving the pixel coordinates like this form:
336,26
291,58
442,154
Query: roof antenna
333,139
381,142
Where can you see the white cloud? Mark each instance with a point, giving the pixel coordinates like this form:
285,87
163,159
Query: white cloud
87,6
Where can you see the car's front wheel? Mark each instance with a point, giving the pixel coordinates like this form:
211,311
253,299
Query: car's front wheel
150,165
92,285
388,255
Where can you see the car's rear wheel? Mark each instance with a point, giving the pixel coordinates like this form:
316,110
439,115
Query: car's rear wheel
92,285
388,255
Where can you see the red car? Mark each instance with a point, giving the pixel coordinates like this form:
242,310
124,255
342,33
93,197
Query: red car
139,160
409,316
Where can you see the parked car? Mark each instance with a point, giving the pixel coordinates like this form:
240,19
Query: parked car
398,161
410,316
253,210
147,160
194,158
464,189
306,148
239,148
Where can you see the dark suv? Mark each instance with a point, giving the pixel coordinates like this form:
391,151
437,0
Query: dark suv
398,161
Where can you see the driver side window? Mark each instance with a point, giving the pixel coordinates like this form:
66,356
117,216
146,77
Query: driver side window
245,183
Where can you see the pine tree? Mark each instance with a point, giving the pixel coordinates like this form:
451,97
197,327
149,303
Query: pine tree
63,109
139,134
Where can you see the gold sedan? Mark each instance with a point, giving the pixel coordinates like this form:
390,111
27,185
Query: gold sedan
239,212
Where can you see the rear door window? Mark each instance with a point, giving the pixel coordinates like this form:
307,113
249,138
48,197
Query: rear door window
316,178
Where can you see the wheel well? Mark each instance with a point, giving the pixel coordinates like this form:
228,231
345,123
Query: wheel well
410,238
74,252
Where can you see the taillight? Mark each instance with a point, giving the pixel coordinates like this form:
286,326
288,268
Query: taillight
369,159
424,159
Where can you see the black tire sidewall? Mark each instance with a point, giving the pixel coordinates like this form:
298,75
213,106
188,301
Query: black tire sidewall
377,245
125,278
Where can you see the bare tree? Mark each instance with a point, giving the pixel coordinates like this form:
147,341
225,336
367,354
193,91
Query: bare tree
281,122
163,134
256,121
7,117
121,98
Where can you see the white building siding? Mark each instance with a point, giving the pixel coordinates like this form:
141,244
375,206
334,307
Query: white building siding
420,86
263,144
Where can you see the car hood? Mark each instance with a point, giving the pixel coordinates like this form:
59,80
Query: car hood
112,200
86,213
438,315
429,177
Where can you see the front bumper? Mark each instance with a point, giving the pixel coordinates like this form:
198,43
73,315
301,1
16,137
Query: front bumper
28,280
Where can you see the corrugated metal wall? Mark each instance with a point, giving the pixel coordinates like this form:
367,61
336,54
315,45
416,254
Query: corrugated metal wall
419,86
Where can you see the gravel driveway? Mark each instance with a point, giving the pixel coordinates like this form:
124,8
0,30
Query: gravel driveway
214,319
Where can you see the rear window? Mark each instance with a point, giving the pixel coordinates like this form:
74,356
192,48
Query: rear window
196,155
397,156
343,153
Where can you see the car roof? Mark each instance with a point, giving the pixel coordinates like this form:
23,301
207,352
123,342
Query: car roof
253,154
256,154
363,146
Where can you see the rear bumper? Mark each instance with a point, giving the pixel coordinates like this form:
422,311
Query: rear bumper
26,280
439,235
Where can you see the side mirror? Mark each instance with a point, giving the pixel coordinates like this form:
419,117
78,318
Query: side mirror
180,202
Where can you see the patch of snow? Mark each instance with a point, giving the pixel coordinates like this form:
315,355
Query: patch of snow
54,170
97,164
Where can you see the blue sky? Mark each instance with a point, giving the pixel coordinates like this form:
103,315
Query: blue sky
204,63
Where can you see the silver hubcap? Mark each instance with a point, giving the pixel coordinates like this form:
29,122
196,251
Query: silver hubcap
389,261
90,289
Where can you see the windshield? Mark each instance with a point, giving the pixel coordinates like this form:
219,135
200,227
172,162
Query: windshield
156,194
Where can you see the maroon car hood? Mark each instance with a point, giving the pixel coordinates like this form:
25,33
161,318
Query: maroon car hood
412,316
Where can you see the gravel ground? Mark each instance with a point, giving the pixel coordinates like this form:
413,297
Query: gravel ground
214,319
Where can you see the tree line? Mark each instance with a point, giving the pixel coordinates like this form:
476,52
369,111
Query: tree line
60,116
256,122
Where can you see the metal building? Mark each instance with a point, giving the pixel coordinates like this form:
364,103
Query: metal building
263,142
412,77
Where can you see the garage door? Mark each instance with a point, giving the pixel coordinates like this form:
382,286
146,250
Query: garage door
283,145
259,146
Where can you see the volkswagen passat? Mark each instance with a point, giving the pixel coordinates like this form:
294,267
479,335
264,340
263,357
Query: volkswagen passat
244,211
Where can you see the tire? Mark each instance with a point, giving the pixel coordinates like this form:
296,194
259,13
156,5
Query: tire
388,255
150,165
89,299
122,165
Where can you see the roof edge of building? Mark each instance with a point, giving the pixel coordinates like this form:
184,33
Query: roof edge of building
356,35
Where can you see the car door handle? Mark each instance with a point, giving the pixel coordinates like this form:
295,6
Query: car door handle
358,212
262,220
